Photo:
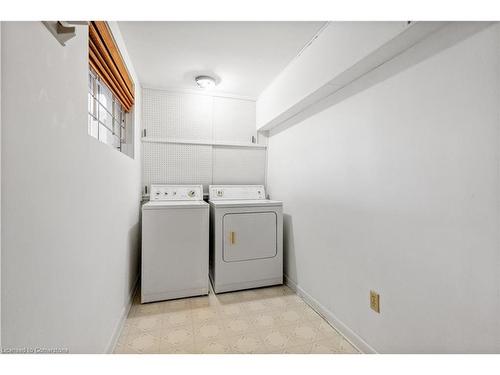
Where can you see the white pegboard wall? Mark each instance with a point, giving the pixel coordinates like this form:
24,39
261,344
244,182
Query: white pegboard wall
239,166
177,115
189,116
234,120
176,164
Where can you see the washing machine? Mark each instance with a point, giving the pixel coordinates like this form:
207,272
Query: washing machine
246,238
175,243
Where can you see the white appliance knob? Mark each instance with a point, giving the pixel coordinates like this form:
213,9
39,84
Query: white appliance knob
191,193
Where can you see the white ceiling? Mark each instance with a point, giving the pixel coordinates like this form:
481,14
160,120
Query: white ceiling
245,56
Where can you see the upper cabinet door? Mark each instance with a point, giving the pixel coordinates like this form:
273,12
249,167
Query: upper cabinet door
177,115
233,120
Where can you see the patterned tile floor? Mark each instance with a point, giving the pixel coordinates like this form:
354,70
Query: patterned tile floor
265,320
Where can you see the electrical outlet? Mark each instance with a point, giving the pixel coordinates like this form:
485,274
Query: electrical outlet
375,301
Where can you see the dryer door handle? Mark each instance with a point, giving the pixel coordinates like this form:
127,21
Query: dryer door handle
232,237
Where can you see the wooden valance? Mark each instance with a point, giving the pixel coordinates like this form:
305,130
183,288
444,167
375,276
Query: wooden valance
106,60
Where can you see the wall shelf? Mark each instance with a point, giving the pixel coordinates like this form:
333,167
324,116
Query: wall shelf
199,142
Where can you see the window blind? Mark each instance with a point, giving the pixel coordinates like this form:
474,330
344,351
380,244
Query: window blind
107,62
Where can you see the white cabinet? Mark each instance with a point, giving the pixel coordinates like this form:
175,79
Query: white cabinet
177,115
233,120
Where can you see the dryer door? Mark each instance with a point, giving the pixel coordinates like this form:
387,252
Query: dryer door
249,235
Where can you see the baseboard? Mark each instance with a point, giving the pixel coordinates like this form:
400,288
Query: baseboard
345,331
119,326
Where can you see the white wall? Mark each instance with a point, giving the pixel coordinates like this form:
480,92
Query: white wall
397,189
214,121
338,47
0,184
70,212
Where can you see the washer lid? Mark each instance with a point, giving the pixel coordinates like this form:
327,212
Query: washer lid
158,205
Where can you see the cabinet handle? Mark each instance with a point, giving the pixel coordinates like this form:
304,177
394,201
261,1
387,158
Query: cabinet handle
232,238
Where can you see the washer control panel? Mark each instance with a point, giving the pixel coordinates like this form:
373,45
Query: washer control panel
236,192
176,193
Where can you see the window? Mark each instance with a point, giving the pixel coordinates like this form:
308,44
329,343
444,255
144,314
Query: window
107,118
110,92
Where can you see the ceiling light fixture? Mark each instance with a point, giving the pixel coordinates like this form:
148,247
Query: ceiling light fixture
205,82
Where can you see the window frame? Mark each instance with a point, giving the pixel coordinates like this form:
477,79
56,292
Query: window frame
98,111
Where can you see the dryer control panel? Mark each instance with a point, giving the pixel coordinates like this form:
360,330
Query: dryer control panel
176,193
236,192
